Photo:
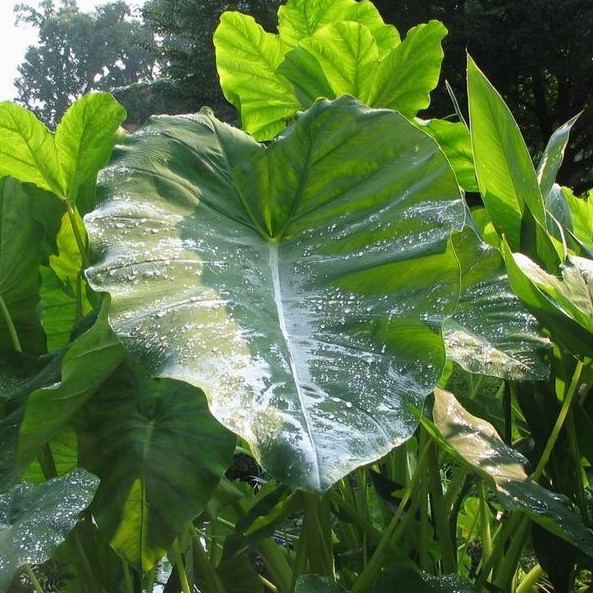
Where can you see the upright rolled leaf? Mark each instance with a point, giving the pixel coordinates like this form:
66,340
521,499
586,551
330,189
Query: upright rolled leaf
301,286
29,219
506,176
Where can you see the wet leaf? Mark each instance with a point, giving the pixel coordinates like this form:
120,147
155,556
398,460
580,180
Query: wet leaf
491,332
34,520
309,583
404,578
301,286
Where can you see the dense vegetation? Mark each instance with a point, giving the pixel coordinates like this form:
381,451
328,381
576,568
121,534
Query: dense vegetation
289,357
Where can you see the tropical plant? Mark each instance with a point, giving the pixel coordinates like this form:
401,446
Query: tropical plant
322,303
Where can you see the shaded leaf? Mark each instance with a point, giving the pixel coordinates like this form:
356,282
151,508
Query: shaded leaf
405,578
491,332
159,455
29,219
310,583
301,286
87,364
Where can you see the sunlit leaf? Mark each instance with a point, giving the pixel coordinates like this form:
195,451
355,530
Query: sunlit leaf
477,443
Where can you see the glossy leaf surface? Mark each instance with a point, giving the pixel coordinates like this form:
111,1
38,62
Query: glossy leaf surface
34,520
159,455
404,578
314,584
491,332
301,286
506,176
477,443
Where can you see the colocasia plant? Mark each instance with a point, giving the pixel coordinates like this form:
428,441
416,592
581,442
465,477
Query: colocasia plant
289,357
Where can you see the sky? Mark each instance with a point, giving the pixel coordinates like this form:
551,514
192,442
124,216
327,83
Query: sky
15,40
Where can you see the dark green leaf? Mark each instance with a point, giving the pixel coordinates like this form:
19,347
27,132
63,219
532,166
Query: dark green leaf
159,455
29,219
309,583
410,580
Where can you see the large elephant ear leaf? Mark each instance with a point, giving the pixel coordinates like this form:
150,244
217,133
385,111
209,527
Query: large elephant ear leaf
34,520
298,19
302,286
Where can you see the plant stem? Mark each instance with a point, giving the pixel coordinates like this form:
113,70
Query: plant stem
14,338
485,525
578,468
36,584
440,512
177,556
211,581
371,570
566,405
77,236
508,567
531,578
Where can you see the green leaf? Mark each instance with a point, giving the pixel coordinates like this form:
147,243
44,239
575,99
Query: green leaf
401,577
34,520
88,363
553,155
455,142
581,210
407,75
339,59
310,583
246,59
298,19
301,286
506,176
476,442
491,332
159,455
29,219
59,162
528,282
63,290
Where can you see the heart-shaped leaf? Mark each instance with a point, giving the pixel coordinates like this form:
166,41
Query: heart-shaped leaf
476,442
59,162
301,286
159,455
34,520
401,577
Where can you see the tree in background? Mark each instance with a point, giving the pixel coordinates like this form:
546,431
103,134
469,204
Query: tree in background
537,53
185,49
79,52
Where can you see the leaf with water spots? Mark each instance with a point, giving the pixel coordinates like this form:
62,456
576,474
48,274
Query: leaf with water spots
302,286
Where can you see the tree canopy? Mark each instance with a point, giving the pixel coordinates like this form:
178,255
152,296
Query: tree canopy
78,52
